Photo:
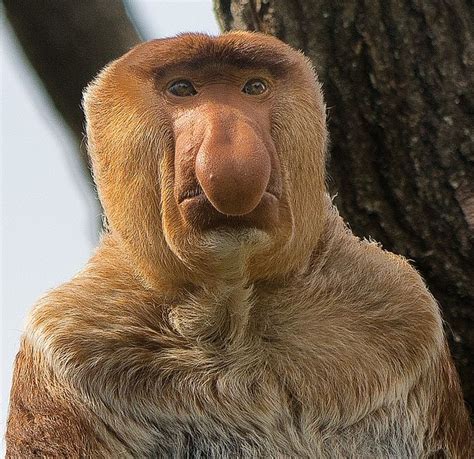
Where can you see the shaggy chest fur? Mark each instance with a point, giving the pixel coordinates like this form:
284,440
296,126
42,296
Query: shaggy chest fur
243,371
243,406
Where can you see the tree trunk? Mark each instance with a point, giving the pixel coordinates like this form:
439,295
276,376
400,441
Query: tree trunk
67,43
398,81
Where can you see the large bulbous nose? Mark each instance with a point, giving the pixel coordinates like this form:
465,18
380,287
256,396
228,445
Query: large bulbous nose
233,165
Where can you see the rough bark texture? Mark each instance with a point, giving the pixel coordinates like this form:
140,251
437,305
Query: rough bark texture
398,80
67,43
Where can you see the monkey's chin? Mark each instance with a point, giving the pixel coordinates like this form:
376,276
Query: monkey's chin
199,213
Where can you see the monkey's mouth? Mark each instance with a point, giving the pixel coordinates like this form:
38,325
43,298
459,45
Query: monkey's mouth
189,194
197,191
198,211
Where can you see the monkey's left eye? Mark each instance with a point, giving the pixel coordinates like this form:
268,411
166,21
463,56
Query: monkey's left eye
182,88
254,87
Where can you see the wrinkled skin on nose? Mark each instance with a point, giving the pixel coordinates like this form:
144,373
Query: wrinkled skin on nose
233,165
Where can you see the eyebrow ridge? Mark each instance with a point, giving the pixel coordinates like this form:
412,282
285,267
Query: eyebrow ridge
275,67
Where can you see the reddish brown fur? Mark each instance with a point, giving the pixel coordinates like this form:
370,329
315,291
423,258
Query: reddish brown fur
295,340
46,420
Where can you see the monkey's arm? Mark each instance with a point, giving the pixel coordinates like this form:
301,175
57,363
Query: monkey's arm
450,428
43,420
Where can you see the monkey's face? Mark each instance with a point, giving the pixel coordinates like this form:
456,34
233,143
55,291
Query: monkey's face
194,136
226,170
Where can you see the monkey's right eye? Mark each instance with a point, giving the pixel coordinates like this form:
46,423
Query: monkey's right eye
182,88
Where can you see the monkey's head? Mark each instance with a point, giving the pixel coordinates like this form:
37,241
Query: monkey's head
200,143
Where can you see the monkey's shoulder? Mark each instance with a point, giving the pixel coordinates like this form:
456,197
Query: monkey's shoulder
372,281
369,304
359,275
89,308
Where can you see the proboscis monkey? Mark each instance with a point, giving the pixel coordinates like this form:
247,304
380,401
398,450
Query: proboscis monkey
228,311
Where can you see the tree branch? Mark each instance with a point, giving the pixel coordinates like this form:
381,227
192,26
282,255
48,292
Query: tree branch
67,42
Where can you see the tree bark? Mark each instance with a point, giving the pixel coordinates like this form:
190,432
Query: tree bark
68,42
398,81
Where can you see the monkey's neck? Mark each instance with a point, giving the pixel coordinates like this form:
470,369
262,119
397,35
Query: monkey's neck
225,301
213,311
216,315
229,308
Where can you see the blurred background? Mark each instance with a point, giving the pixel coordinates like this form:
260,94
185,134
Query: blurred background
398,79
50,216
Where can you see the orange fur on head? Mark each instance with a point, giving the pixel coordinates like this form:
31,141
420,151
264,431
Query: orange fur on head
228,311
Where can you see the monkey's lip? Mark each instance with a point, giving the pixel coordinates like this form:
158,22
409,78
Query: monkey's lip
198,193
190,194
198,212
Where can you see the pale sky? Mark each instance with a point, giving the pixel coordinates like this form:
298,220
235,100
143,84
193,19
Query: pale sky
47,221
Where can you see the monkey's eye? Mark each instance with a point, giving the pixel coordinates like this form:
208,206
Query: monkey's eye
254,87
182,88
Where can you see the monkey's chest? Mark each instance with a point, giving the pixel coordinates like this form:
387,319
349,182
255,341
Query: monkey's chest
200,403
213,391
238,412
247,418
242,437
